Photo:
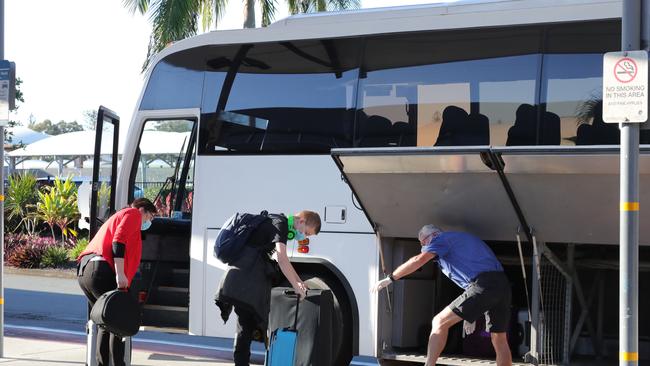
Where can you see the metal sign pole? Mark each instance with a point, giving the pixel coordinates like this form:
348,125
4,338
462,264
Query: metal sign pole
629,208
2,194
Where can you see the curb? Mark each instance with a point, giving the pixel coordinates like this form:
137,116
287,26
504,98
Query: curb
38,272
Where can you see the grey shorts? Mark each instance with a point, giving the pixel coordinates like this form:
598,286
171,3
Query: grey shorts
488,294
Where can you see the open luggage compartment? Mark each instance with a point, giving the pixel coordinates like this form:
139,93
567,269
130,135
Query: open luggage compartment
567,195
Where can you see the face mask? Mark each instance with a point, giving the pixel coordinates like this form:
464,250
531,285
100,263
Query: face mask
294,234
299,235
145,225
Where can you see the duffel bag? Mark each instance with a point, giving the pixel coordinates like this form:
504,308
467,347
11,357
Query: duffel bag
118,312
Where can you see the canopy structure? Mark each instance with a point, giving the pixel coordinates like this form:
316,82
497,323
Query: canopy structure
37,164
79,146
21,135
82,143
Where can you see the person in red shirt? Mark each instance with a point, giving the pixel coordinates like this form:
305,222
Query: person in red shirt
110,261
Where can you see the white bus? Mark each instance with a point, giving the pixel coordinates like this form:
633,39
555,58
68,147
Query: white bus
481,116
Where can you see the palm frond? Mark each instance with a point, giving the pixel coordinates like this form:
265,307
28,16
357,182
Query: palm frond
589,109
172,20
309,6
136,5
294,6
268,11
343,4
207,14
219,9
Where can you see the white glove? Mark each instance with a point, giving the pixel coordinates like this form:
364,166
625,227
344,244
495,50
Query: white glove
468,328
381,284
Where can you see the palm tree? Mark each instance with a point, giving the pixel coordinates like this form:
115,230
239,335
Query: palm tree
174,20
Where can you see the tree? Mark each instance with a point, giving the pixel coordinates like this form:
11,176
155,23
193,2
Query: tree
11,123
56,129
90,119
173,126
176,20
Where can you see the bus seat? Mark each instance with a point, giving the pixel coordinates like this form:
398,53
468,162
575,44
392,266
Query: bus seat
455,129
598,132
374,131
306,129
478,130
551,134
524,131
403,134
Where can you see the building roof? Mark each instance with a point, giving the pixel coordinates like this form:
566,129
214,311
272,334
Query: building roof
82,143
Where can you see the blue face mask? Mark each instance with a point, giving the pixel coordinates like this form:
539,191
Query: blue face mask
299,235
145,225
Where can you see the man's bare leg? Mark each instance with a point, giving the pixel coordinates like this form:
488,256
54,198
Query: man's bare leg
502,349
439,331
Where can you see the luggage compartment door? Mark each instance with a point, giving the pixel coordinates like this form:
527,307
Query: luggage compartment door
402,189
571,194
566,194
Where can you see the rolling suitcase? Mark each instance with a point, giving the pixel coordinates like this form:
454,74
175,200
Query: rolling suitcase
313,324
282,344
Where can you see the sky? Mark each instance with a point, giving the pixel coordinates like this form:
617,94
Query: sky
75,55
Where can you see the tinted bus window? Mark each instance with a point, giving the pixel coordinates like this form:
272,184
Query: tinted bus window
573,90
572,84
173,87
283,97
447,89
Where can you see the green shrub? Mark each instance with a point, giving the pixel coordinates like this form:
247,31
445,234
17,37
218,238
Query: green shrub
20,206
54,256
58,207
73,253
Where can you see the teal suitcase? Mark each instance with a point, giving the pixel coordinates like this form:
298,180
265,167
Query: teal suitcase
282,345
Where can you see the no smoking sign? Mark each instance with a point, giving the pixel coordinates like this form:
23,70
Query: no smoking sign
625,86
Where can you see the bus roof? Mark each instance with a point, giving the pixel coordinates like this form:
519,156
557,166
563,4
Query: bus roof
440,16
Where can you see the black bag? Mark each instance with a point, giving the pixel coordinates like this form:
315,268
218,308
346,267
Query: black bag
234,234
118,312
314,324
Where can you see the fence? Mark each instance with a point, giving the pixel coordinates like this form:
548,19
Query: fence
551,308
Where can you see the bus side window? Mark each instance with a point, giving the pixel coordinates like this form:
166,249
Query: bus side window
163,146
445,89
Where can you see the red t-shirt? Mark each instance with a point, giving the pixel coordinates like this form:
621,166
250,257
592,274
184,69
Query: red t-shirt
123,227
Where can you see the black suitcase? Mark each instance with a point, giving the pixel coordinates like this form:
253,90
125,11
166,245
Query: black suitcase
314,346
118,312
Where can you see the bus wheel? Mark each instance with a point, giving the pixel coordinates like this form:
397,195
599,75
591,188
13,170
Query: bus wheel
341,320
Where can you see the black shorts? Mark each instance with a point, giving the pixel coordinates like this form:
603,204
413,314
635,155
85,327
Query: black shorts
489,293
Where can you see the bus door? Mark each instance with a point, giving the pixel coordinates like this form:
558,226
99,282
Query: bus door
102,195
162,170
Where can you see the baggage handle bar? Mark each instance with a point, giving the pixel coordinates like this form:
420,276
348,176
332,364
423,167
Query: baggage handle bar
293,293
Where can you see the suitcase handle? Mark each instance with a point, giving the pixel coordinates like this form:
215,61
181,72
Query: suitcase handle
293,293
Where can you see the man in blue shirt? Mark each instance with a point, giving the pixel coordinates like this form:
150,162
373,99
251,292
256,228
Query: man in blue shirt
472,265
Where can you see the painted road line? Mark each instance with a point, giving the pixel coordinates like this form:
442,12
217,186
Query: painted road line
135,340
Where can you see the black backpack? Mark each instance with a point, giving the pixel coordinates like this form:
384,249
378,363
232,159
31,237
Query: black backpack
234,235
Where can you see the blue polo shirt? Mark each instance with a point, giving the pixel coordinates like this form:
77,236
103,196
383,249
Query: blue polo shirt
462,256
